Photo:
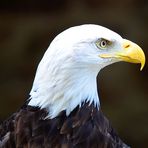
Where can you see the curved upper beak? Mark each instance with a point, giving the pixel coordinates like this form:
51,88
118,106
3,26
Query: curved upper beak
130,52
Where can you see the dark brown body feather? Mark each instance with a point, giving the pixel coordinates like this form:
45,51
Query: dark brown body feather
85,127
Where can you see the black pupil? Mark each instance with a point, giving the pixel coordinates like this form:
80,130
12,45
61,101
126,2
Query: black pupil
103,43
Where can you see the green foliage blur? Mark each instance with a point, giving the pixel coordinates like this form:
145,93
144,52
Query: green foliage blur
26,30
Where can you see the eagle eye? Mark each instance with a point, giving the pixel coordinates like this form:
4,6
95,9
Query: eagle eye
102,43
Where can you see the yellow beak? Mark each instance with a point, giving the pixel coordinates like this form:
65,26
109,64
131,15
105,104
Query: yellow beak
131,53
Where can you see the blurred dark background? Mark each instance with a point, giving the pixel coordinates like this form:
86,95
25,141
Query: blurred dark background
26,29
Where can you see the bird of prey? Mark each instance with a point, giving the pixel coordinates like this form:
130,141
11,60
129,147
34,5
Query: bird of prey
63,110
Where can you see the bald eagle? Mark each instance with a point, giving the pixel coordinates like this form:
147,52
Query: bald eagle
63,110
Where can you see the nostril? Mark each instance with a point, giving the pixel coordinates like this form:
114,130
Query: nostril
127,46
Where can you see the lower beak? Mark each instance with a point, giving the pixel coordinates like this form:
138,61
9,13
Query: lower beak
131,53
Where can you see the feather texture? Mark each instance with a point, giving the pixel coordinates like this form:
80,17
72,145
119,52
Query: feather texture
85,127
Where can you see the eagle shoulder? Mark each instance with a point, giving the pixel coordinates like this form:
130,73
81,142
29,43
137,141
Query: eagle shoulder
84,127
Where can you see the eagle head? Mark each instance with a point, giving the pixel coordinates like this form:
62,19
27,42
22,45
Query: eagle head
66,75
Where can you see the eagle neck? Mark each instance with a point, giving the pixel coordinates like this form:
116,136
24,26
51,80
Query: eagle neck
66,91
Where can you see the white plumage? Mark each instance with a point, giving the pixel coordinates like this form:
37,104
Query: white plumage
66,76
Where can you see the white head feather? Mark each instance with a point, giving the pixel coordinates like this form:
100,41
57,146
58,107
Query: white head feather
66,76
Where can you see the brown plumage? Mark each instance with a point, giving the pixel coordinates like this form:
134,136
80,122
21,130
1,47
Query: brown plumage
85,127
